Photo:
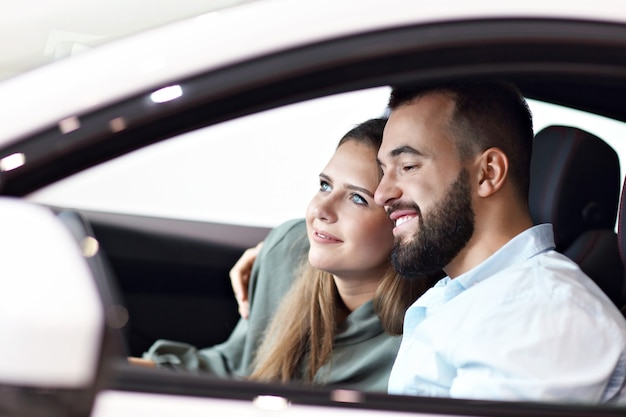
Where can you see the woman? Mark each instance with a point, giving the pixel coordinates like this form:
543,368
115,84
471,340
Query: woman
337,324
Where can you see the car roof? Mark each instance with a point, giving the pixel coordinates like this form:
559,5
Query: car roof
48,31
41,98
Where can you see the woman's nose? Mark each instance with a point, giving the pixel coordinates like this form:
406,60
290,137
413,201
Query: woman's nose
324,208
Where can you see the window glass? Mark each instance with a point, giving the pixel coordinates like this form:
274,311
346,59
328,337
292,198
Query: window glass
256,170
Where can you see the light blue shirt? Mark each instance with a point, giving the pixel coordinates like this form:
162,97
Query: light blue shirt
526,324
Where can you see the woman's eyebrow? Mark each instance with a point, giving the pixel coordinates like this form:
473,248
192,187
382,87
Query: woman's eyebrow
325,177
359,189
349,186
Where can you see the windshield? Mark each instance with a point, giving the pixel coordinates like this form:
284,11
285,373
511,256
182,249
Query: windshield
36,32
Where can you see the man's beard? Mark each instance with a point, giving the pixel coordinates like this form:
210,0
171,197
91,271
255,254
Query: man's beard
442,233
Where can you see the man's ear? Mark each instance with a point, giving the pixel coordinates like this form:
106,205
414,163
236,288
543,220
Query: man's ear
493,168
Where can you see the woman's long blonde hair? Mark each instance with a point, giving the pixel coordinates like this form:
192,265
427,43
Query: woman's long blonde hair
299,340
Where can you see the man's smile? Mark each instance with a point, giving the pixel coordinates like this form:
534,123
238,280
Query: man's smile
402,216
404,219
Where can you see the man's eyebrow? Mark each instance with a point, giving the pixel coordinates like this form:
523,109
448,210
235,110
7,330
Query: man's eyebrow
404,149
399,151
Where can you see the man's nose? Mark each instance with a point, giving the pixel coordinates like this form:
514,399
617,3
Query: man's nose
387,191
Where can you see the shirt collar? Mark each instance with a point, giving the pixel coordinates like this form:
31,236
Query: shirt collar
522,247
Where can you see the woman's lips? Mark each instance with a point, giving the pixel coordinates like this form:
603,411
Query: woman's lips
324,237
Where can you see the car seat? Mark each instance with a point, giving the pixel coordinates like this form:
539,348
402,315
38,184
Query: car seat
575,185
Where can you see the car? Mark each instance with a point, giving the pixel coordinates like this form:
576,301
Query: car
166,153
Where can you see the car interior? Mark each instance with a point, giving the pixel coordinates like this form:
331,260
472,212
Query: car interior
169,272
172,274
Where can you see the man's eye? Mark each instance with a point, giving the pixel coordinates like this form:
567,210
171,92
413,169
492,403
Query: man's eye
410,167
324,186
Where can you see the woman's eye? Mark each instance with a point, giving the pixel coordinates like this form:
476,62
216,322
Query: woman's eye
324,186
358,199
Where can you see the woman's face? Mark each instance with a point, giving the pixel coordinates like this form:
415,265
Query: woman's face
350,235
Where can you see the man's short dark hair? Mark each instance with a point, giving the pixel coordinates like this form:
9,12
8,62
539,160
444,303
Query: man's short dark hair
487,114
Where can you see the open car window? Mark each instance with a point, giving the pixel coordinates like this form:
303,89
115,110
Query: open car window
257,170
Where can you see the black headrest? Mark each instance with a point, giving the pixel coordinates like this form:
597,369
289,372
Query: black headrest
574,182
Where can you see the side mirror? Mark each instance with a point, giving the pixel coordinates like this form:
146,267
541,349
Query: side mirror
52,316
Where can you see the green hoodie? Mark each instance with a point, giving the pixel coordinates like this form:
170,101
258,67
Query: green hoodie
362,355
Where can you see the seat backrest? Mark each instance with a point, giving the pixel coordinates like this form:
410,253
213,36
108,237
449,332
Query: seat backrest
575,185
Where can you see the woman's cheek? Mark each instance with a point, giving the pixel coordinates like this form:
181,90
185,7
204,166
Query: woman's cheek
379,236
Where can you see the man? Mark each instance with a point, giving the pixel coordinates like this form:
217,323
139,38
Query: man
513,320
